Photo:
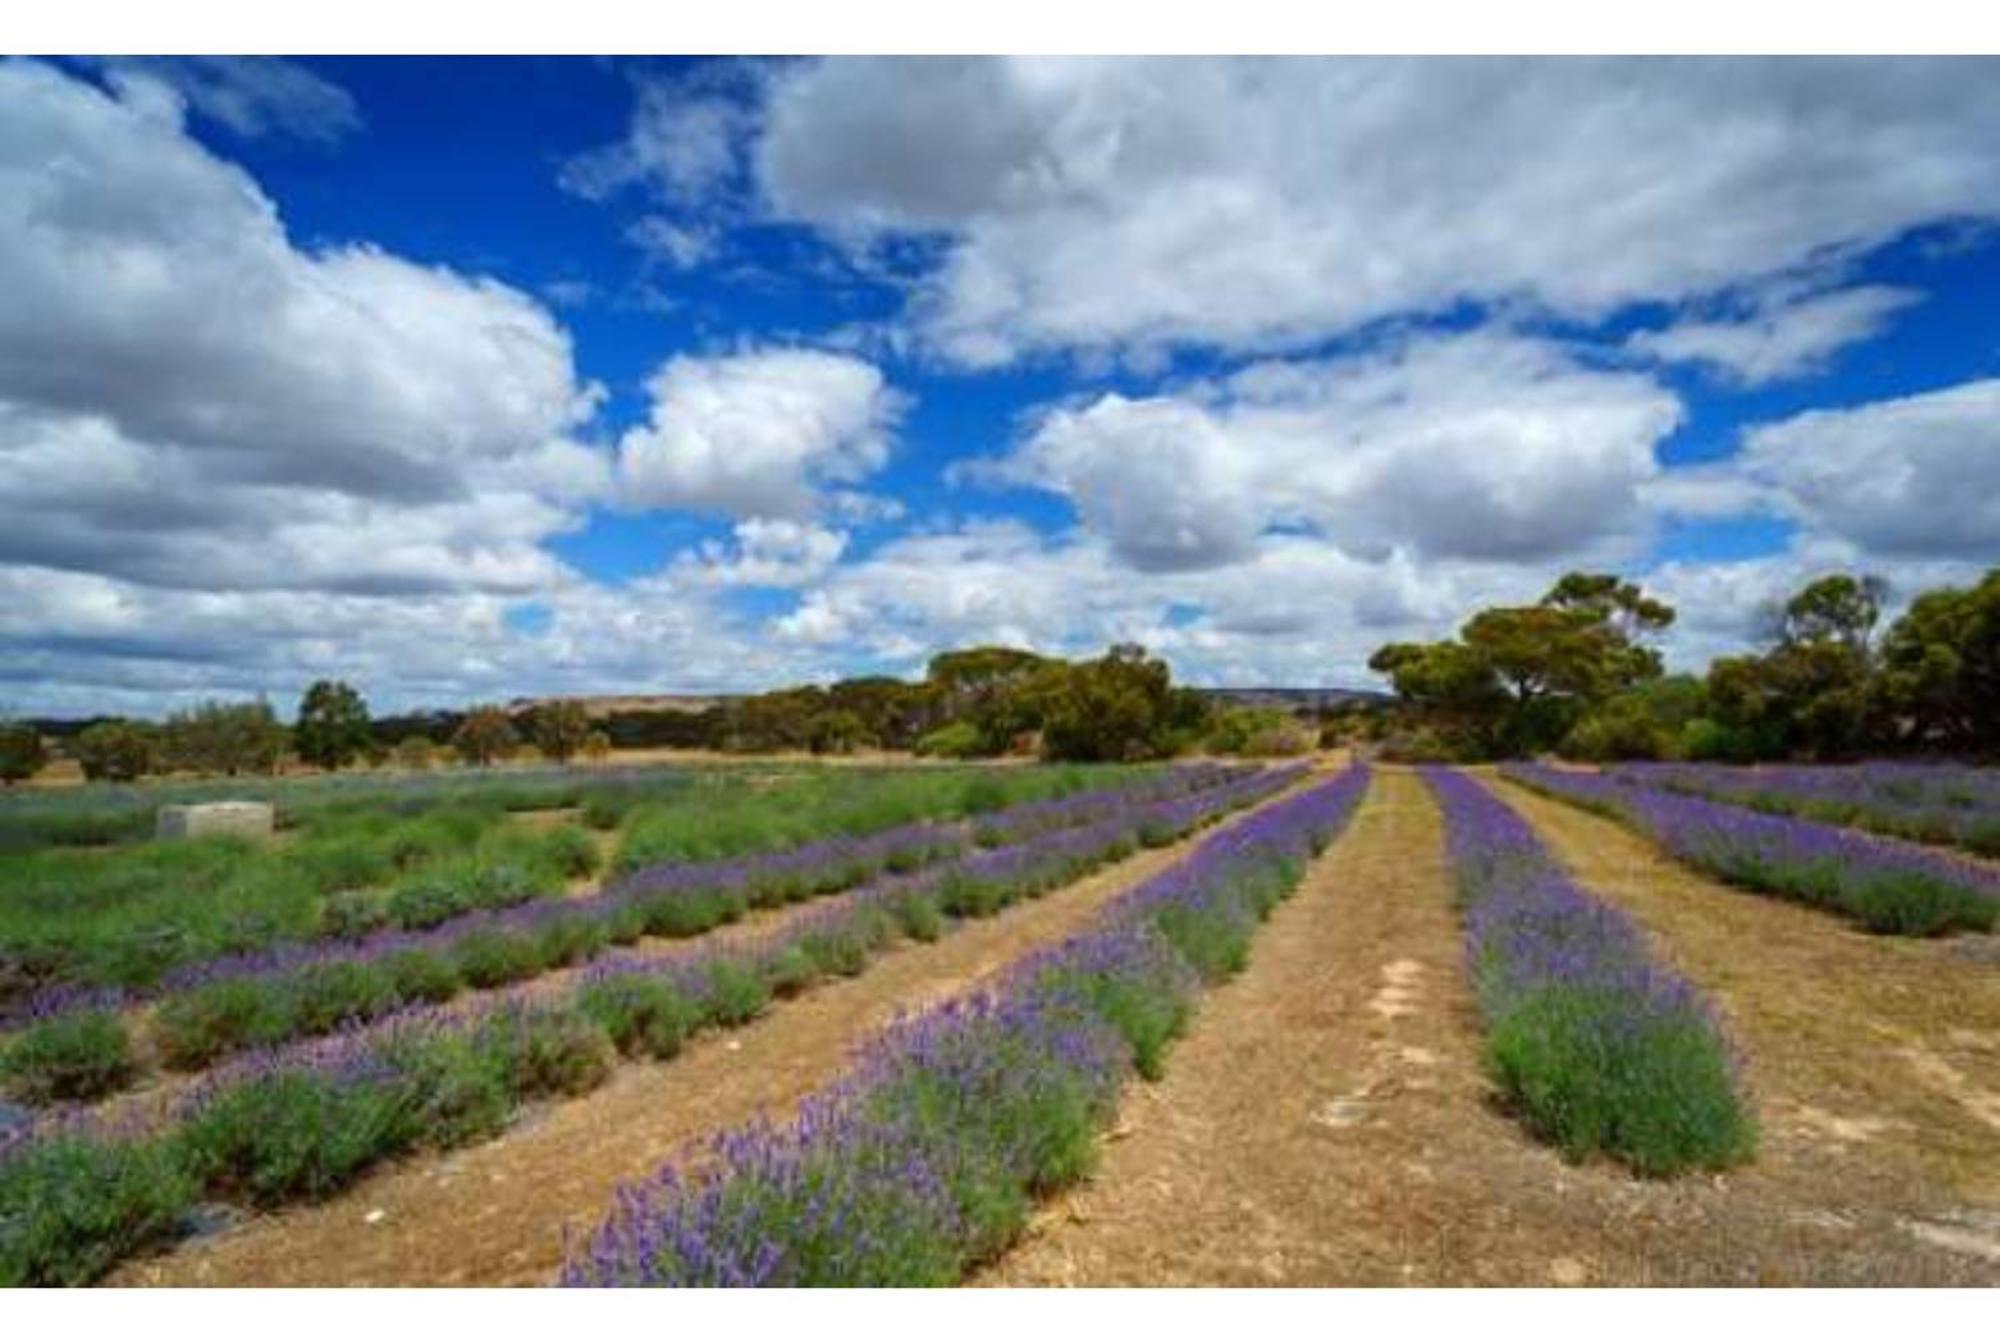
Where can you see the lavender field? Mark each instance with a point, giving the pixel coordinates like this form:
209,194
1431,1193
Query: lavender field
1933,804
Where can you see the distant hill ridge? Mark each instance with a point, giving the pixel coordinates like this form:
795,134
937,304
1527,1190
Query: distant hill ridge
1284,697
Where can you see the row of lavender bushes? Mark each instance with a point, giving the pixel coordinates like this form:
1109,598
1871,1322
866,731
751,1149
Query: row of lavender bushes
1929,804
78,1194
1884,886
233,1004
1597,1047
925,1160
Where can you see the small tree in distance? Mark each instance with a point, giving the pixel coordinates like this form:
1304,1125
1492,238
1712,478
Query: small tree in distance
486,735
415,752
117,749
560,729
333,725
22,752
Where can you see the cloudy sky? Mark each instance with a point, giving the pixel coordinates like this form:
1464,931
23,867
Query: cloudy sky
467,379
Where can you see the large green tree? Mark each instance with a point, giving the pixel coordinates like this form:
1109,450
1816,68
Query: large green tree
1813,691
1518,678
1120,707
333,725
1940,667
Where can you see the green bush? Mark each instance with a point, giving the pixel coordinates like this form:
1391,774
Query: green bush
788,971
733,994
323,997
1662,1100
422,976
193,1028
571,850
954,741
547,1051
487,958
75,1206
352,914
75,1057
641,1015
295,1134
568,939
452,1092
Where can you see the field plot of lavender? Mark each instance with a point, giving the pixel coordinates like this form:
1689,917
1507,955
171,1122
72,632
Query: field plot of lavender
770,1031
1930,804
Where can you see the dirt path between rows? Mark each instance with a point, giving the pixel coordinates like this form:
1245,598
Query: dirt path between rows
496,1214
1327,1122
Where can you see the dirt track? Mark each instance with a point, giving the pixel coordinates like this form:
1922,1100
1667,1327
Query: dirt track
1327,1120
496,1214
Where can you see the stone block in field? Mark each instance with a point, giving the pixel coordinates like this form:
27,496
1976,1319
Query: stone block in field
185,821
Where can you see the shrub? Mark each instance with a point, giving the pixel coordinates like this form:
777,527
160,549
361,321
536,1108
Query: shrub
568,939
428,899
956,741
421,976
682,914
292,1134
416,753
196,1026
918,914
639,1014
75,1057
343,864
490,957
452,1093
352,914
603,812
77,1205
733,994
788,971
837,947
547,1051
323,997
983,793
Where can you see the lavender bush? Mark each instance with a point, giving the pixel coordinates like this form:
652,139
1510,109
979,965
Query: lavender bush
1884,886
926,1158
1599,1048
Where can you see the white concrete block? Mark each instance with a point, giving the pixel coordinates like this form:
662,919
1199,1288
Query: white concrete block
184,821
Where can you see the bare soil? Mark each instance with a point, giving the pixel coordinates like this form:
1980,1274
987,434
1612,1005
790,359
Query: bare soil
1328,1121
497,1214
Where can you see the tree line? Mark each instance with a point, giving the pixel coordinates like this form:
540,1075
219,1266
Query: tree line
992,701
1574,673
332,731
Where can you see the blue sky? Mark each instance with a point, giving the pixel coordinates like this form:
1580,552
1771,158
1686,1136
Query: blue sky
474,378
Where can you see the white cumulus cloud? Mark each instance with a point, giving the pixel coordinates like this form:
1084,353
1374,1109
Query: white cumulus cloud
760,434
1090,203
